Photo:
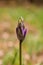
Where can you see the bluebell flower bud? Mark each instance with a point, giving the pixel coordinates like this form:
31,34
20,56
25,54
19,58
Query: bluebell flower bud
21,31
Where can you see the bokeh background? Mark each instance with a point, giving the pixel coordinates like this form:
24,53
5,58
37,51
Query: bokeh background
32,46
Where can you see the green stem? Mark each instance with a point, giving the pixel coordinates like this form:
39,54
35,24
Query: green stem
20,52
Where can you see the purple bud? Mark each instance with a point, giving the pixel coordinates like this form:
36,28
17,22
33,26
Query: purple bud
21,31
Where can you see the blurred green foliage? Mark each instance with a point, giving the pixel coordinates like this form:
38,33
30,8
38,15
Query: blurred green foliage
33,16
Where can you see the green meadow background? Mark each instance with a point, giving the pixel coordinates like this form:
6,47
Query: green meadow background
33,43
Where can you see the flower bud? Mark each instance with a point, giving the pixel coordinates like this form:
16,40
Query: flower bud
21,31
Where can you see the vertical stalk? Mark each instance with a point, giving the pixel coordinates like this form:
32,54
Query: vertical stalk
20,52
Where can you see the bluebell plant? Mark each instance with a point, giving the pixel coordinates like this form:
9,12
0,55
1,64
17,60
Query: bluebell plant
21,33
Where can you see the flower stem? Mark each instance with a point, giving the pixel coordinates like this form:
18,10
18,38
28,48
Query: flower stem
20,52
